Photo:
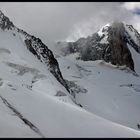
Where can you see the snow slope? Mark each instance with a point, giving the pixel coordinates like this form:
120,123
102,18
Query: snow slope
110,92
34,104
58,119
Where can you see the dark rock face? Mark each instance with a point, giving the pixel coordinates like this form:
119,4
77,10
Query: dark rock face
119,52
131,41
37,48
92,50
5,23
115,50
41,51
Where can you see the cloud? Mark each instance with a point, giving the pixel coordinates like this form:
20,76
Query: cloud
53,21
134,9
105,13
49,21
131,5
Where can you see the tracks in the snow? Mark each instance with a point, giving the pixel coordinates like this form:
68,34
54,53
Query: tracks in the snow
25,120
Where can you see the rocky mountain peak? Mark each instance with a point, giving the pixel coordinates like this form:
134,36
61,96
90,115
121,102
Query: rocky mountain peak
110,44
37,48
119,51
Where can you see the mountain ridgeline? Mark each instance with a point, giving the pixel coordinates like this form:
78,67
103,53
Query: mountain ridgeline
94,99
36,47
110,44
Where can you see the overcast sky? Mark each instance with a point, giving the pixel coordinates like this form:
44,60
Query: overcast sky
53,21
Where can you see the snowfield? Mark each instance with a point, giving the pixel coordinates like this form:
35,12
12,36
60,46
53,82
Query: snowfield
34,104
112,92
58,119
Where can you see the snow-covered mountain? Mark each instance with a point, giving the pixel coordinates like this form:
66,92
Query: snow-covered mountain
106,69
37,101
112,43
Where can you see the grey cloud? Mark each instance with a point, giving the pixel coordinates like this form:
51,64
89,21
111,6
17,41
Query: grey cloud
53,21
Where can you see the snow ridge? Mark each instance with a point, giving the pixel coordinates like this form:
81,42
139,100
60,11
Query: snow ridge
36,47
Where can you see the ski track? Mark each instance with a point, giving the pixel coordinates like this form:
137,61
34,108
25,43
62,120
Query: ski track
20,116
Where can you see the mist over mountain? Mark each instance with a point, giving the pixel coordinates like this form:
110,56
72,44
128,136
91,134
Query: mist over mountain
87,88
111,44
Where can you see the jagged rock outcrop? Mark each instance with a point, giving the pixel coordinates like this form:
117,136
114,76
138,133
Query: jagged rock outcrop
119,52
37,48
5,23
41,51
110,44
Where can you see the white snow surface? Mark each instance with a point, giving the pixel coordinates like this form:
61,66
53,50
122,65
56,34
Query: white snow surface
109,91
136,59
104,104
103,32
